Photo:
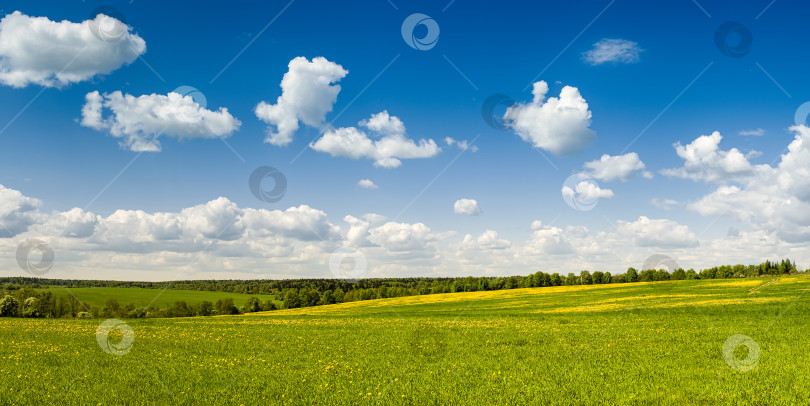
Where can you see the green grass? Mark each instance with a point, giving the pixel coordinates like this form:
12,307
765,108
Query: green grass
630,344
143,297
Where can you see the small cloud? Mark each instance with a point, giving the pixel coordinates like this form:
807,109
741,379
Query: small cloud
752,133
367,184
621,167
586,191
613,50
665,204
466,206
461,144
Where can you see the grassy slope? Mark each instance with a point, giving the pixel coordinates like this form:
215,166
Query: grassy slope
142,297
656,343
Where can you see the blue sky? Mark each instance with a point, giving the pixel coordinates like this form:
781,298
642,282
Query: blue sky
679,87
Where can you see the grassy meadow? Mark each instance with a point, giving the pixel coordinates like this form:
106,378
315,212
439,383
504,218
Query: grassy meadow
141,297
626,344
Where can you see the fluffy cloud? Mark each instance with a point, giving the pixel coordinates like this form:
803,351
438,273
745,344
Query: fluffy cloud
139,121
586,192
547,240
387,151
357,234
367,184
54,54
301,223
622,167
773,199
17,212
466,206
614,51
660,233
308,93
705,161
486,241
558,125
403,239
219,239
74,223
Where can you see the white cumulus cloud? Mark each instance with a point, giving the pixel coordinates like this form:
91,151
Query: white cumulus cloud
586,192
367,184
560,125
54,54
17,212
660,233
309,90
621,167
488,240
386,151
404,239
705,161
548,240
141,120
773,199
466,206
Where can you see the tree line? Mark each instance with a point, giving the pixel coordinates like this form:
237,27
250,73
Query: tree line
21,299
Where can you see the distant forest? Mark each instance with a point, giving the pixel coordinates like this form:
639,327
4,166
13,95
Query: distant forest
20,299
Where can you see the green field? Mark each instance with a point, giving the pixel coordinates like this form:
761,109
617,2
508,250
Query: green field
628,344
142,297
